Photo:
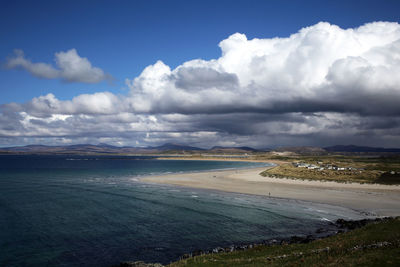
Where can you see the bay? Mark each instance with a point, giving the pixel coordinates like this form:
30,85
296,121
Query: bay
94,211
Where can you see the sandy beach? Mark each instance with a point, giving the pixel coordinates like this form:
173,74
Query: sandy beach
380,200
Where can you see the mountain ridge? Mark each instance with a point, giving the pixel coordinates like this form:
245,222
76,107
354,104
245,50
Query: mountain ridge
176,147
100,148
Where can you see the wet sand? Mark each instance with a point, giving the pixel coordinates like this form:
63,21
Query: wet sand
380,200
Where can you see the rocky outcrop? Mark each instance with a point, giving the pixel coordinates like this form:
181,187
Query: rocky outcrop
138,264
341,225
351,225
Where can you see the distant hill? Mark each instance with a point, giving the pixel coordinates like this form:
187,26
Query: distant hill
353,148
109,149
97,149
242,149
173,146
73,149
303,150
180,148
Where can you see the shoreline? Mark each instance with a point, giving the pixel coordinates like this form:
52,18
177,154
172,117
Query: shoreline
275,161
377,199
340,226
308,245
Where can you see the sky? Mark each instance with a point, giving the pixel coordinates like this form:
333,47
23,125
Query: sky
204,73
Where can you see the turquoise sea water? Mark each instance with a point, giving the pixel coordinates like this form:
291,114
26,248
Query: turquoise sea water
93,211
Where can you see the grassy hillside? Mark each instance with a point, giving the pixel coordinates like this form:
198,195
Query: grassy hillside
366,169
288,170
377,244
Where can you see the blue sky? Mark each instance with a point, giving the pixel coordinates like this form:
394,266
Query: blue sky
122,72
123,37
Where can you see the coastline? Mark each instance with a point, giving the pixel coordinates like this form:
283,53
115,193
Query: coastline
372,199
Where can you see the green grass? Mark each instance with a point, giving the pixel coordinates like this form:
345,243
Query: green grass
289,171
341,251
371,169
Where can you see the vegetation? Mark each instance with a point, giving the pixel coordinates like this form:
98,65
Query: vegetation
376,244
288,170
360,168
365,168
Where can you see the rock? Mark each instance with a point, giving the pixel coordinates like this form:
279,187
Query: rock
197,253
139,264
185,256
300,239
351,225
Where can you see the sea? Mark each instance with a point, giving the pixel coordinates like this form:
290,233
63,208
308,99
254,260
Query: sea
94,211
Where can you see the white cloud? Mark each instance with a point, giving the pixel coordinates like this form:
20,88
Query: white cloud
42,70
319,64
320,83
70,67
97,103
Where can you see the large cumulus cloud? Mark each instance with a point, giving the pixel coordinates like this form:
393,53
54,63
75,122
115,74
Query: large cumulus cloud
321,85
320,68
